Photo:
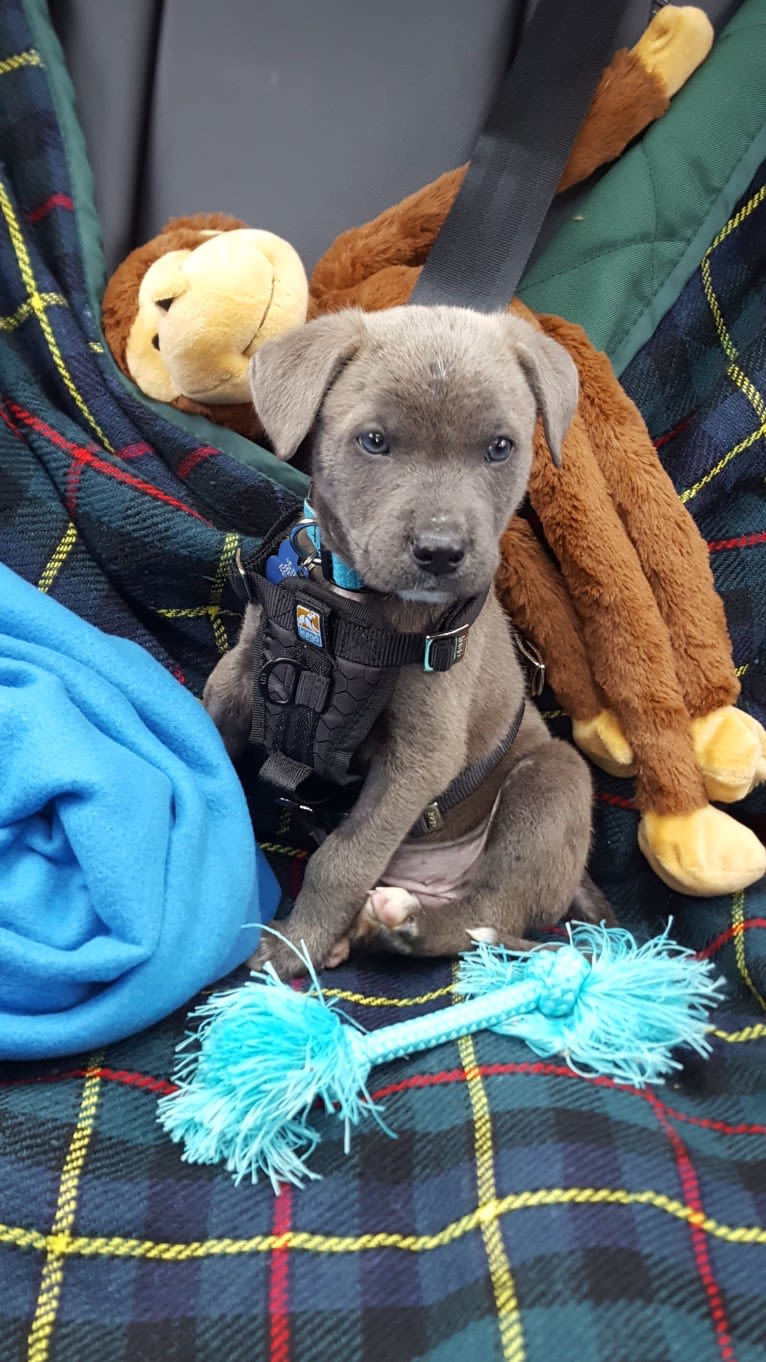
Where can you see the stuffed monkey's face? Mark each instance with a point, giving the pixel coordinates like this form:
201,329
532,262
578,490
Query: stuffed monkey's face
203,313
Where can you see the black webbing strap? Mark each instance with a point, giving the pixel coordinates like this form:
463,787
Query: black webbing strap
486,240
357,633
469,780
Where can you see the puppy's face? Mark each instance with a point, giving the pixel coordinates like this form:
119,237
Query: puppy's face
421,423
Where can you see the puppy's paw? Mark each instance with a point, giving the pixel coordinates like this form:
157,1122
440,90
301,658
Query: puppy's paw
486,934
339,953
388,920
286,954
389,906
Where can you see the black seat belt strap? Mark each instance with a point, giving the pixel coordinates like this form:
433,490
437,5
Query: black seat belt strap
486,240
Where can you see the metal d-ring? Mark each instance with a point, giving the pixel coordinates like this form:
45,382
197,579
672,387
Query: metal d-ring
293,666
312,559
241,570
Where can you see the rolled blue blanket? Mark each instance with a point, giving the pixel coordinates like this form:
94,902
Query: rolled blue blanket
129,875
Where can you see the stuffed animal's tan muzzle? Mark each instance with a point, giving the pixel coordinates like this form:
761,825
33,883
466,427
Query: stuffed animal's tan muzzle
203,313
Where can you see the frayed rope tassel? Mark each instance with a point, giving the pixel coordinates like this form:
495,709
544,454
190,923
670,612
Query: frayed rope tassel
264,1054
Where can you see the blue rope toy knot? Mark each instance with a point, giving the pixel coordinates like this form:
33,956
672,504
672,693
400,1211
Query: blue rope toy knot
561,973
265,1055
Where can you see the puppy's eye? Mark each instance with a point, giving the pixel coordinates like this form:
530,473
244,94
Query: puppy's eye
499,450
373,442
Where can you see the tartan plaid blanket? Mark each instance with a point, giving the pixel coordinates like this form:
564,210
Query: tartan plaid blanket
523,1213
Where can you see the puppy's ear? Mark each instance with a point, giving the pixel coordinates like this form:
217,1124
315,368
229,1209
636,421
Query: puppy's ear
290,376
552,375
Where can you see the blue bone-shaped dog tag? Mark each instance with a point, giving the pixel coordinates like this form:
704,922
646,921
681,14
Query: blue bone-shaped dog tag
284,563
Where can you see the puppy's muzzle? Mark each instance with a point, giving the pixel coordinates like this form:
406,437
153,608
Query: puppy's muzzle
438,551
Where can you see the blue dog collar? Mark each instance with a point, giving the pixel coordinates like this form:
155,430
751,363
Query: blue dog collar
338,572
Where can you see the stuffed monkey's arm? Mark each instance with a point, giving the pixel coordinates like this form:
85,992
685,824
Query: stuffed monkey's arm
692,846
627,643
672,553
532,591
633,92
402,235
730,745
637,87
389,287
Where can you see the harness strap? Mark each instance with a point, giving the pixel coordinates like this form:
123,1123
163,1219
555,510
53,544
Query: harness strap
346,629
356,633
467,782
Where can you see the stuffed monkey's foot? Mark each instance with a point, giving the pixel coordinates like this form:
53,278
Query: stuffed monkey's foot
730,747
703,853
676,42
604,742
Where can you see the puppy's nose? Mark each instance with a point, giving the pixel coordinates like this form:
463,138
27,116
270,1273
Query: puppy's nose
438,551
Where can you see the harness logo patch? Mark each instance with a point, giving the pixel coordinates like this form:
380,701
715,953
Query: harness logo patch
308,625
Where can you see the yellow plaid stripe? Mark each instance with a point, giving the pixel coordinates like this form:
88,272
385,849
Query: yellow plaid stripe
26,310
740,948
736,374
727,344
230,546
192,612
501,1276
19,59
740,217
56,1243
748,1033
745,385
370,1001
213,609
277,849
58,558
38,307
303,1241
691,492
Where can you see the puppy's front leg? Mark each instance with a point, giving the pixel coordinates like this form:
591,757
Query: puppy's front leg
228,693
342,871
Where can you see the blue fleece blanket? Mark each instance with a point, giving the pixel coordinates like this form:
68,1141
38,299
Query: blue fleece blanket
129,876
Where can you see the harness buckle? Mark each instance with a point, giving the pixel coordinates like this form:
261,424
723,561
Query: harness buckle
442,651
533,665
243,585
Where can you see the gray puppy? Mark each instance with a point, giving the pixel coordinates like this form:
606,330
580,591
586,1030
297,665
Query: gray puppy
422,421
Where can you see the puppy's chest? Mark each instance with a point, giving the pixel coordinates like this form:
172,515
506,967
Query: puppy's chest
436,726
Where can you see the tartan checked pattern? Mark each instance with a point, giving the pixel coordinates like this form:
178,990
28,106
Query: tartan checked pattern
523,1213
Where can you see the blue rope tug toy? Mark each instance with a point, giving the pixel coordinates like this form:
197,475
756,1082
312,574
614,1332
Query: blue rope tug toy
264,1053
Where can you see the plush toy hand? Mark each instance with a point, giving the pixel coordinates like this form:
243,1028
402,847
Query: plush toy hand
730,747
676,42
702,853
603,740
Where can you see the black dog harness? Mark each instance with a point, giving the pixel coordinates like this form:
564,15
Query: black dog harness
325,666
